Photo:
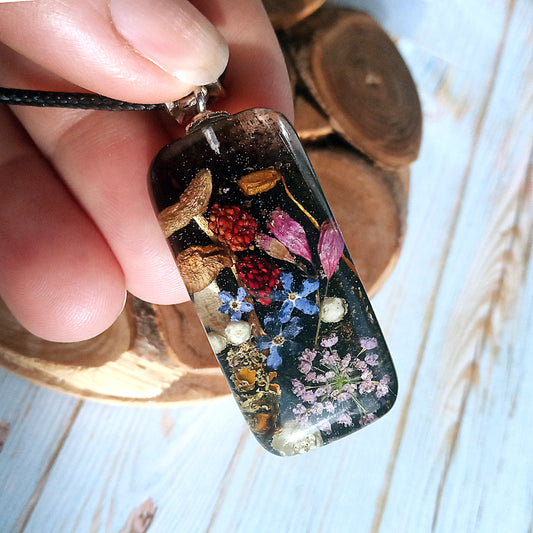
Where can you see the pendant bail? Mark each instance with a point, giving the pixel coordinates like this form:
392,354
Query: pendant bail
195,103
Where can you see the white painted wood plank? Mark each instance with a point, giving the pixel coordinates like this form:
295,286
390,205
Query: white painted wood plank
470,317
116,458
489,485
322,491
37,419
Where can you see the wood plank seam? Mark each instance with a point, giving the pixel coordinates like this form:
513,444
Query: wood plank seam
402,422
30,506
226,478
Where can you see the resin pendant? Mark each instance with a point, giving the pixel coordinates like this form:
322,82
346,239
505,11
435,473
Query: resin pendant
269,274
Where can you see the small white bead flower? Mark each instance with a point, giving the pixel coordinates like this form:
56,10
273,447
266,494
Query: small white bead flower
333,309
238,332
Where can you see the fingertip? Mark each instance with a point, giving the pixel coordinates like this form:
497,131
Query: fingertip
156,278
72,314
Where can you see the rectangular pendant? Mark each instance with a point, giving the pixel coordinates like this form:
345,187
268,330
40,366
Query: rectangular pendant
272,281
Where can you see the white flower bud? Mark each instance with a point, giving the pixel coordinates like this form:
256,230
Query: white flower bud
238,332
333,309
218,342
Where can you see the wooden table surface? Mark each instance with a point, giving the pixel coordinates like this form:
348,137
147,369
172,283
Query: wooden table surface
456,452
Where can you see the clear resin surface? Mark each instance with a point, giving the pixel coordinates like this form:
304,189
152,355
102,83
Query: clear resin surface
273,283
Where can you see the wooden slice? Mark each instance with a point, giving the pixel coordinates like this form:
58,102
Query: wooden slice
128,364
284,14
309,122
359,78
370,205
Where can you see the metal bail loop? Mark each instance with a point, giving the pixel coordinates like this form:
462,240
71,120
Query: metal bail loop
184,109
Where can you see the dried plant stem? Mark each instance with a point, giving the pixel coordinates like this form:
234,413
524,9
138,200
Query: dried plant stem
300,206
320,312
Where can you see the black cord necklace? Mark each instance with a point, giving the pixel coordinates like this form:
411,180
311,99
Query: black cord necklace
72,100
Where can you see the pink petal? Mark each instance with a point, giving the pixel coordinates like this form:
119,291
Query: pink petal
273,247
290,233
330,247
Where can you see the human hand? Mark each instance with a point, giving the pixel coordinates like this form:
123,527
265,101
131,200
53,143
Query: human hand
76,225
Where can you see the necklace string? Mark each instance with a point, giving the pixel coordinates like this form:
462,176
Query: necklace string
71,100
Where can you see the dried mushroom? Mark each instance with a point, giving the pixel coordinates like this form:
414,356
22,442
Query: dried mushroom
200,265
193,202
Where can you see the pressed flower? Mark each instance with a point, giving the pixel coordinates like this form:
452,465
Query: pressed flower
330,247
330,358
278,339
344,397
235,306
366,387
297,387
329,407
290,233
299,409
368,343
273,247
309,396
331,383
305,367
367,419
324,425
311,376
366,375
316,408
345,419
238,332
330,341
382,387
292,298
360,365
372,359
381,390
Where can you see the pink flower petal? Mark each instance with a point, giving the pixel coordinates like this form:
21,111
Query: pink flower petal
290,233
330,247
273,247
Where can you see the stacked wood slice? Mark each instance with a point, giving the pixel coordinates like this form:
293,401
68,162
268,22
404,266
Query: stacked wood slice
358,113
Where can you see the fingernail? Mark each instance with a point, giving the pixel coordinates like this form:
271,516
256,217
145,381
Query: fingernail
173,35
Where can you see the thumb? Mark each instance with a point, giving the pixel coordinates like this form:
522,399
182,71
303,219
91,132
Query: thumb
142,50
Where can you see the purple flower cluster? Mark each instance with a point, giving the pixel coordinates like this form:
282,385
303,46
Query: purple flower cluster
330,380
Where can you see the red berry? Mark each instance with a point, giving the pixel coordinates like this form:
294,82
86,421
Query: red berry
258,273
232,226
